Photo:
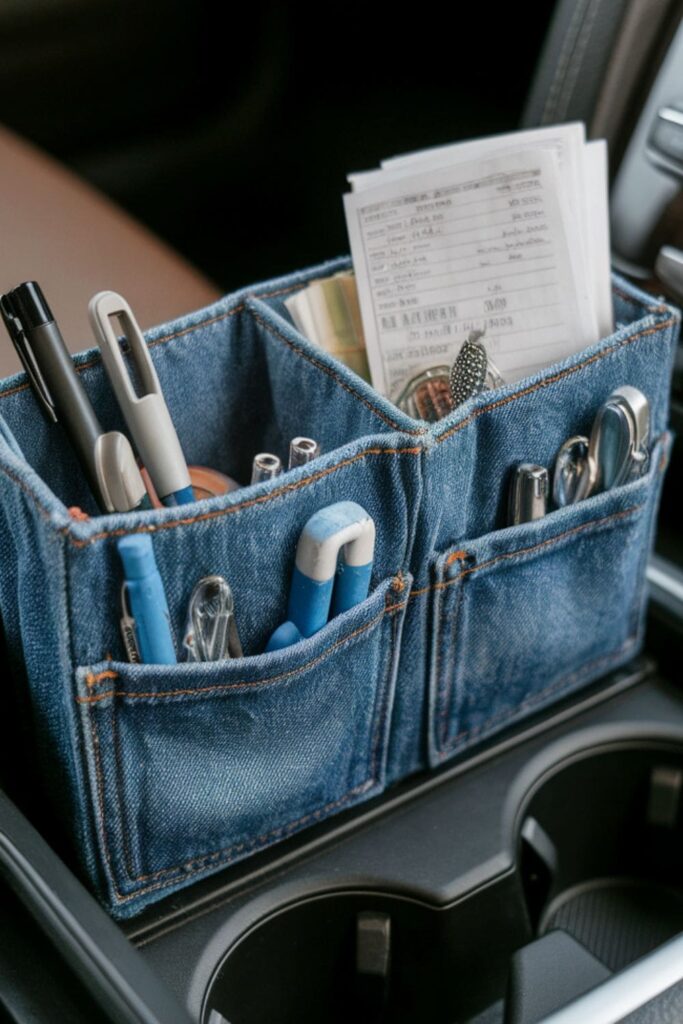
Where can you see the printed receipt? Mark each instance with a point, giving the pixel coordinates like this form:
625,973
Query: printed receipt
472,245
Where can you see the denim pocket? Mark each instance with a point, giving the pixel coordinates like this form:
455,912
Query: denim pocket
527,614
162,774
195,766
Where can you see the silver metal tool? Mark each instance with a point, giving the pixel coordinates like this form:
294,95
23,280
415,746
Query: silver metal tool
211,631
574,472
427,395
472,371
302,450
528,493
619,440
265,466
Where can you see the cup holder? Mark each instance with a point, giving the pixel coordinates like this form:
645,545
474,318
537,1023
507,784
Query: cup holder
367,957
598,863
601,851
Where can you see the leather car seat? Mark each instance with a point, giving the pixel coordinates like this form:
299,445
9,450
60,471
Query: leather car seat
75,242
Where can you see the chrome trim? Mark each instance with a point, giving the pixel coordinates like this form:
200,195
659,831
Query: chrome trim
627,991
671,114
667,576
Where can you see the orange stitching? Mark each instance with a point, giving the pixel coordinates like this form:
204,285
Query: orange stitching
223,854
551,380
101,822
550,540
262,499
77,513
195,327
222,688
456,556
627,298
653,308
176,334
303,483
205,857
45,513
420,591
96,360
92,680
216,854
279,291
446,697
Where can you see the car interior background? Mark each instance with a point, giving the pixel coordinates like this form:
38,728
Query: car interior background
177,152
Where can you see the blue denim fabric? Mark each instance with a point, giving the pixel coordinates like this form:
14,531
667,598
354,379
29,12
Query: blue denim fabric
164,774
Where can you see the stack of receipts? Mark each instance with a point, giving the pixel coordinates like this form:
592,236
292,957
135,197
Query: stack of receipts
507,234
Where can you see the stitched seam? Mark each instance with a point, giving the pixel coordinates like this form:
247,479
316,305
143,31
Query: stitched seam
593,523
44,512
420,591
655,307
239,309
382,701
96,360
637,304
118,789
446,694
99,788
566,680
330,372
175,334
260,840
79,543
552,380
231,509
227,855
280,291
244,685
93,680
236,848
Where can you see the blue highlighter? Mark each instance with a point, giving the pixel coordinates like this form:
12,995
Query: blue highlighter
320,590
145,593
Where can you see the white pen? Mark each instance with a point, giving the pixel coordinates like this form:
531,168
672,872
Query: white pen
147,416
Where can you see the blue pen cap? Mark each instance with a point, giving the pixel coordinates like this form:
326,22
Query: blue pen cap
137,555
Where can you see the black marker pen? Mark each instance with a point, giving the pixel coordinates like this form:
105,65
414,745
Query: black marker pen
106,459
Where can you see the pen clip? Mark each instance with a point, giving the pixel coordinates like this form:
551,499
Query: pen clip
127,623
16,331
102,309
211,633
146,414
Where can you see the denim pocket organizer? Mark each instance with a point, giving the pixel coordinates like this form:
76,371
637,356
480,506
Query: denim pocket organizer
163,774
526,614
246,751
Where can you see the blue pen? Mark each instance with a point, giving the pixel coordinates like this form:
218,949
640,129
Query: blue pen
145,594
147,415
318,586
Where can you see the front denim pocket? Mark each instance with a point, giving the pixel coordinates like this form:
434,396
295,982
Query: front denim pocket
195,766
527,614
